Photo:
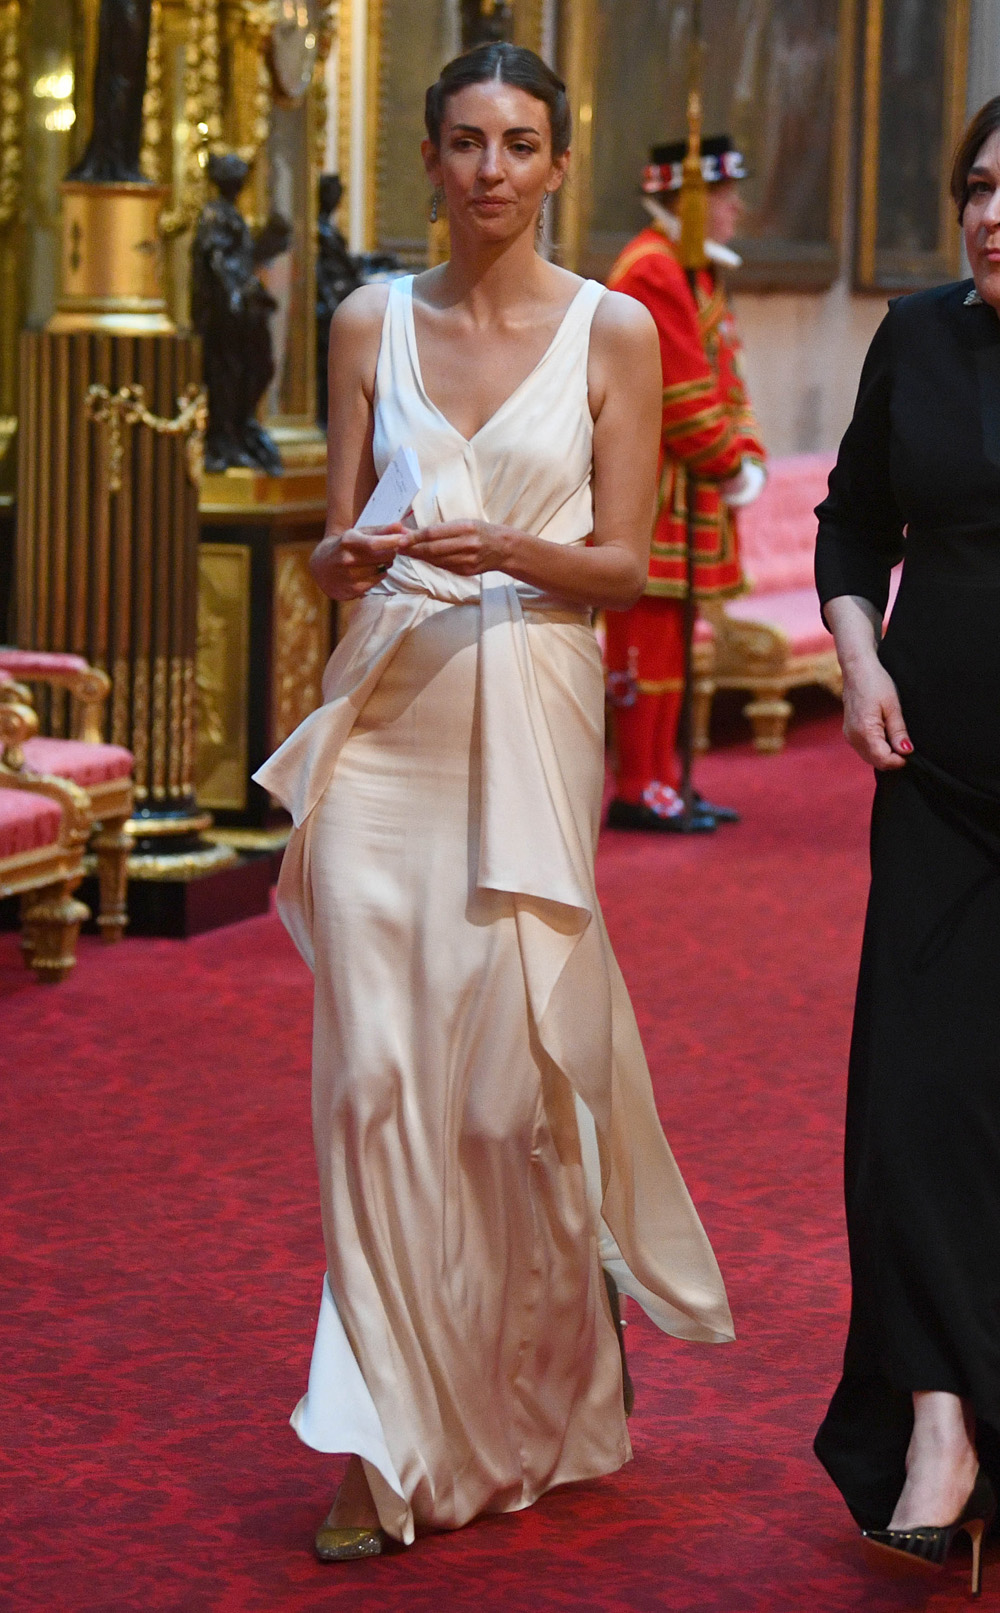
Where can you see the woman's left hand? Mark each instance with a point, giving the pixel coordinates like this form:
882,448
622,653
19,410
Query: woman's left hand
464,547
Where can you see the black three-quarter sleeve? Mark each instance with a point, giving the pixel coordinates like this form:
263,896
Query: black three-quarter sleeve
860,535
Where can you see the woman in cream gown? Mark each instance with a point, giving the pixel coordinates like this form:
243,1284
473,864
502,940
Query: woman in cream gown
484,1121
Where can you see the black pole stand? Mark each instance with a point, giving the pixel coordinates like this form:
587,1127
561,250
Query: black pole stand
687,695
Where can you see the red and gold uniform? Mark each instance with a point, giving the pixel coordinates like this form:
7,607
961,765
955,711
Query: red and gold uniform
708,431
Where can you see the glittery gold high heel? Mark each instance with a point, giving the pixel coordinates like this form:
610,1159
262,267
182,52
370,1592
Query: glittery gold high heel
338,1545
932,1545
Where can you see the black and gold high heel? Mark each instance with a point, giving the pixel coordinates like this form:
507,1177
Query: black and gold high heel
614,1300
932,1545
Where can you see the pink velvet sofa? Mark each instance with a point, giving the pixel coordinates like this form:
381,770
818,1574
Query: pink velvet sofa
772,638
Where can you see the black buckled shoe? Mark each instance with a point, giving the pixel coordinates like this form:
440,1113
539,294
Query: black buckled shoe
614,1300
721,814
637,815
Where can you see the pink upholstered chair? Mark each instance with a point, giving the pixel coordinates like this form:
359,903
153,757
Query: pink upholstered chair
103,771
44,827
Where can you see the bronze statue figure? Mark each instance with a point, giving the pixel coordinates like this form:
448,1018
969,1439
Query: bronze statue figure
230,310
112,154
337,275
338,272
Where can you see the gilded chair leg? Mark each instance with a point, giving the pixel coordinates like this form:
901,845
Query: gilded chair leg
768,717
701,713
112,846
54,917
27,933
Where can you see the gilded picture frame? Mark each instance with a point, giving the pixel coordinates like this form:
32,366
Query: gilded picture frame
778,75
907,235
408,43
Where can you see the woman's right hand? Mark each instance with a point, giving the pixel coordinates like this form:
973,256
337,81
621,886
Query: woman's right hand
347,564
873,716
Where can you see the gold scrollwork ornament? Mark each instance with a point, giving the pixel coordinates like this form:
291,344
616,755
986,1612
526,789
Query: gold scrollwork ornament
127,407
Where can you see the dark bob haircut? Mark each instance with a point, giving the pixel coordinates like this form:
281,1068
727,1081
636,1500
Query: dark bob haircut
985,123
501,63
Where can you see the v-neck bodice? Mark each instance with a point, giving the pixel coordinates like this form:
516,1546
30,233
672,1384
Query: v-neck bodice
528,466
510,401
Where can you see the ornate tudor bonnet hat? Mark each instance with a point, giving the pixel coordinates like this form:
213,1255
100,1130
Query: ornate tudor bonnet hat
719,160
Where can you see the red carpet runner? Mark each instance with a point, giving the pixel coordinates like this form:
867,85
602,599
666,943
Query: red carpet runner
162,1259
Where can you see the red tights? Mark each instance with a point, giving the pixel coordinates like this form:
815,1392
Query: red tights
648,641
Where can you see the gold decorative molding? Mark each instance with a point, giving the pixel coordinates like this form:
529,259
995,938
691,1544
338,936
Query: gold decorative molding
168,828
181,865
222,675
202,117
11,103
344,87
375,114
301,640
257,18
239,492
328,32
250,839
152,104
578,70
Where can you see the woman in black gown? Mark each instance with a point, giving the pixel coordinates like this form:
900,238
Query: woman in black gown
918,1408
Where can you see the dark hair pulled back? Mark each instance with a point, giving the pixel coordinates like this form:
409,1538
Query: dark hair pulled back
985,123
502,63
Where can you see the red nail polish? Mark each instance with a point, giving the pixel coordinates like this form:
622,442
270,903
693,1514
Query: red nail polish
905,746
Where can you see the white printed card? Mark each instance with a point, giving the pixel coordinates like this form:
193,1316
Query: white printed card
397,487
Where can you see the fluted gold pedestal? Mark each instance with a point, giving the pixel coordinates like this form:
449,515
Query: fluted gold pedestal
112,575
107,567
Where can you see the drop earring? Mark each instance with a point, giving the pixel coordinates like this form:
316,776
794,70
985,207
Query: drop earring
540,221
436,199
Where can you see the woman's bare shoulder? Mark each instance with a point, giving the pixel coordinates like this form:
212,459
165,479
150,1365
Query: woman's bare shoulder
624,351
362,311
623,325
356,335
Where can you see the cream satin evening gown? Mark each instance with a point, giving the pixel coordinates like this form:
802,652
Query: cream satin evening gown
484,1120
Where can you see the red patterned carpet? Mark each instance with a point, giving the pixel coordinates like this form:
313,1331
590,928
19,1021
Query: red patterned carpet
162,1259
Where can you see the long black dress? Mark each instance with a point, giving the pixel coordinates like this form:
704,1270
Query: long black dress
922,1163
